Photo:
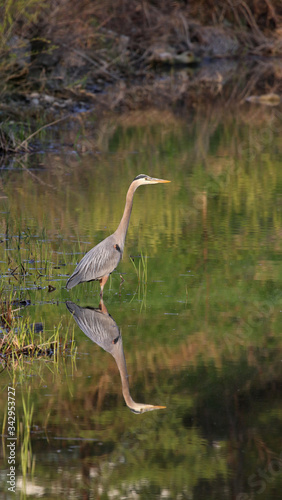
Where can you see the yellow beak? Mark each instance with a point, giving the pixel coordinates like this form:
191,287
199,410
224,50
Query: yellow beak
159,181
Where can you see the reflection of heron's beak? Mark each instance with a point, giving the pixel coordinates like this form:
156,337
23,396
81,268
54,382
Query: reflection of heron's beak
142,408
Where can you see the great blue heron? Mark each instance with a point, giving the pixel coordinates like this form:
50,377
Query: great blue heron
101,260
102,329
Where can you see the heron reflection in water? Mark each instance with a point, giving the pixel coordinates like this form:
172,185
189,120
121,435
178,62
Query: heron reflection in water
101,261
101,328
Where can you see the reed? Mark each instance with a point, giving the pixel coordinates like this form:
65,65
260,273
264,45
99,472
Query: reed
27,459
142,268
142,275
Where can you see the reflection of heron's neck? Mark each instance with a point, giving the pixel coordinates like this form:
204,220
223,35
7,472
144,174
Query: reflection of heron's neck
123,225
120,361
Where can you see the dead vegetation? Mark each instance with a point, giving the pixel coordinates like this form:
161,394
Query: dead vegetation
21,341
119,55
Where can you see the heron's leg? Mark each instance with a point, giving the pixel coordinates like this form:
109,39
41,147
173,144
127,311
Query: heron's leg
121,282
102,307
103,281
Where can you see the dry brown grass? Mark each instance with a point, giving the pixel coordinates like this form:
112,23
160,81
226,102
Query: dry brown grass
180,24
76,49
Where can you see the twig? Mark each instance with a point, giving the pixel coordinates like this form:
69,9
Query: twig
250,18
271,11
13,270
186,30
100,68
23,143
12,311
35,177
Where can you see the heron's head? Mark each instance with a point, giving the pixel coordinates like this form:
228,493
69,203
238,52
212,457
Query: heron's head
143,179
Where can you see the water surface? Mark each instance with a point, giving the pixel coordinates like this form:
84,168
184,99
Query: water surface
201,334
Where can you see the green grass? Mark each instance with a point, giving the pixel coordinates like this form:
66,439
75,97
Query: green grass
23,341
24,428
141,271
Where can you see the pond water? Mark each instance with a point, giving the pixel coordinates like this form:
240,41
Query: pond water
195,320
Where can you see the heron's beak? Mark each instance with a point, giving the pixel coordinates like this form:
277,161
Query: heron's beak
159,181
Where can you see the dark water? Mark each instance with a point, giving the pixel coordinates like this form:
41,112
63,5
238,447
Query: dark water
197,321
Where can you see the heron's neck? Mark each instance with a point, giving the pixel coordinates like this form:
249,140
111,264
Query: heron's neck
123,225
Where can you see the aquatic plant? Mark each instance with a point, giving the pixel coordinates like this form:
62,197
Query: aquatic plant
24,428
142,268
24,341
142,275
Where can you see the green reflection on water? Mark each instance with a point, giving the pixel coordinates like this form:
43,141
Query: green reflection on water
207,340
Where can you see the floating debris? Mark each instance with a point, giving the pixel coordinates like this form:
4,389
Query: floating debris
266,99
168,55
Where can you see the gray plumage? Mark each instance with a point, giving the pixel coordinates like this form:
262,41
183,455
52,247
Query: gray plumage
97,324
103,259
101,328
97,263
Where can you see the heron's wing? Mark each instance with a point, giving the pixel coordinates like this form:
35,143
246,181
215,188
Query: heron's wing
98,262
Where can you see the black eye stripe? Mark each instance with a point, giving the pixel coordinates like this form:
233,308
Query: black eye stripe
140,176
